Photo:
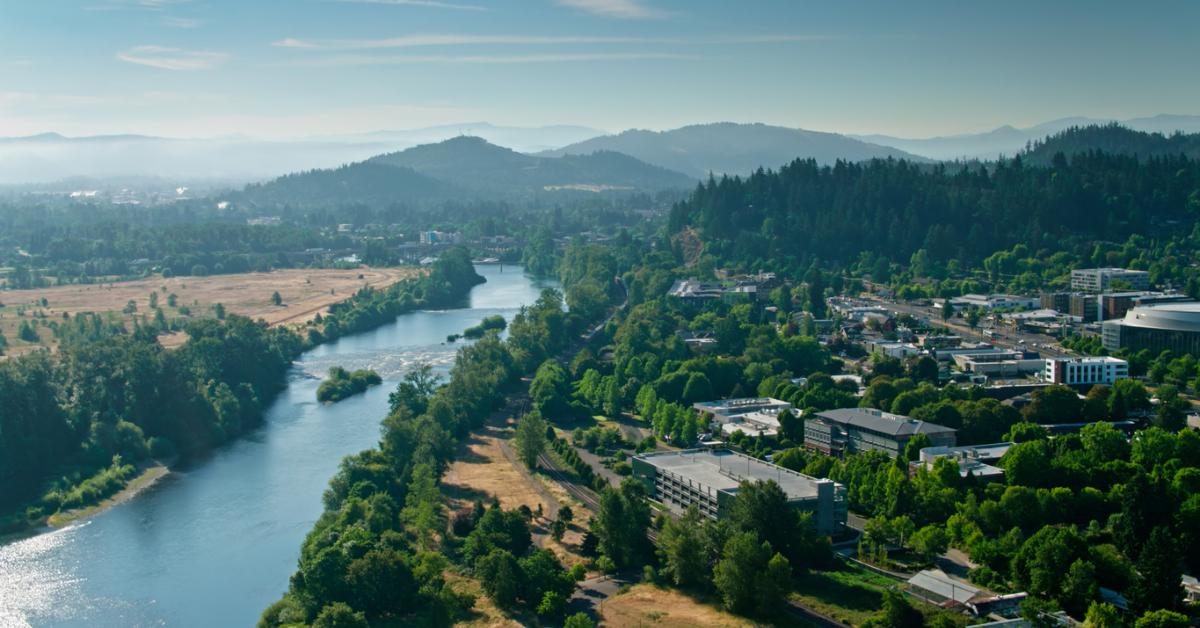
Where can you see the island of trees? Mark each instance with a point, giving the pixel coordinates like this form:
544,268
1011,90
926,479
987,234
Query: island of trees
342,384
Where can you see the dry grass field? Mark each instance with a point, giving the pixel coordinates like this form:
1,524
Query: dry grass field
648,605
304,293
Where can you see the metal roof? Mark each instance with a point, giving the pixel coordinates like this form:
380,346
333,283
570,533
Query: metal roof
881,422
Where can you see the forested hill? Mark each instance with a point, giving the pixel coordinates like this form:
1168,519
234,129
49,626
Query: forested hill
461,169
471,162
1113,138
728,148
891,209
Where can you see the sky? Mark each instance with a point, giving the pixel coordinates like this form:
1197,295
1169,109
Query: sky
303,68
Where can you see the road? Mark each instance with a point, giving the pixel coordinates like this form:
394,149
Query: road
1006,338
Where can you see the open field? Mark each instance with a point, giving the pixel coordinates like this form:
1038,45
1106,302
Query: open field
648,605
304,293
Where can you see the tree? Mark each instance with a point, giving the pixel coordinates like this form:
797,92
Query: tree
620,523
972,317
1053,404
339,615
550,389
531,438
744,576
500,576
919,441
1162,618
1079,589
565,514
219,311
1158,581
3,343
276,299
947,310
896,612
153,300
1171,414
1103,615
26,332
681,546
929,541
579,620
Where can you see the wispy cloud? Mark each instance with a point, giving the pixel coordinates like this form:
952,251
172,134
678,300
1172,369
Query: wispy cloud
433,4
429,40
154,5
165,58
182,22
357,60
622,9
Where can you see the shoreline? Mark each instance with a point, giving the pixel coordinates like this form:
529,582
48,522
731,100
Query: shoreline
146,478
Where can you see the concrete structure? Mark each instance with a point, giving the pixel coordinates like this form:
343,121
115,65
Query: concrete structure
856,430
1169,326
695,291
710,479
754,416
891,349
972,459
999,363
753,424
994,301
1101,279
1085,371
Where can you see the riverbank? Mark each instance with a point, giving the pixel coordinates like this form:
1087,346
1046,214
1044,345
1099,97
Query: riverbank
144,480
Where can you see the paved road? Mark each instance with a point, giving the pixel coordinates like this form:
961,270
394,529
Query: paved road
1007,338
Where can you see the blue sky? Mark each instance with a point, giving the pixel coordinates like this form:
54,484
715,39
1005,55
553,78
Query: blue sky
292,68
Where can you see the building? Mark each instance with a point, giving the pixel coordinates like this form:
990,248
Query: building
856,430
1173,327
1116,305
999,363
1085,307
710,480
695,291
1085,371
972,459
1101,279
995,301
729,408
891,349
1060,301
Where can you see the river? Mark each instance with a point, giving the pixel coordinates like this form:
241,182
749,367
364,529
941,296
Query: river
213,544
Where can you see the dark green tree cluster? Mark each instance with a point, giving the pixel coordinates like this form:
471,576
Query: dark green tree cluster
342,384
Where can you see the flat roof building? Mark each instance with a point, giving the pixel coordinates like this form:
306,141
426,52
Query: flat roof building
972,459
725,408
858,430
1173,327
1085,371
1101,279
710,479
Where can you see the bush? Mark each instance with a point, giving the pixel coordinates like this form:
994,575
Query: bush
342,384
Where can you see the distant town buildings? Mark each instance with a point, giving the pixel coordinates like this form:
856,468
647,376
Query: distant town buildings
695,291
439,237
753,416
710,480
973,460
857,430
1171,327
1101,279
994,301
1085,371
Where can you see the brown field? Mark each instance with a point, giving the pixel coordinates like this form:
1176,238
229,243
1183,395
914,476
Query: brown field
648,605
305,292
486,467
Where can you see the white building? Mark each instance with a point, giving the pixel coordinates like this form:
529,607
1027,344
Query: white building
995,301
1100,279
1085,371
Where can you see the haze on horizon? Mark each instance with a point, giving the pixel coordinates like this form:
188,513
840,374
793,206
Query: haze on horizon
276,69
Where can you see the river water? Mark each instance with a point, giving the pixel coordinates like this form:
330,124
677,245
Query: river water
214,544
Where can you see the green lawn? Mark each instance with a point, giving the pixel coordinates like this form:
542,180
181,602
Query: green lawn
853,594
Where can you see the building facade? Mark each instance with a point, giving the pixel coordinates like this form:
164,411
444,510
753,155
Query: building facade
1088,371
1101,279
710,480
1173,327
858,430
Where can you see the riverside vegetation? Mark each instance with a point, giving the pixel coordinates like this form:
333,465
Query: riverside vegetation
342,384
72,423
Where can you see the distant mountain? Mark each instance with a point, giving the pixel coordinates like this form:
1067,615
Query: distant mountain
1008,140
729,148
1113,138
52,157
473,163
462,168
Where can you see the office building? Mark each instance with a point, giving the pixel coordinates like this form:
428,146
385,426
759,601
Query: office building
857,430
1085,371
1102,279
710,479
1173,327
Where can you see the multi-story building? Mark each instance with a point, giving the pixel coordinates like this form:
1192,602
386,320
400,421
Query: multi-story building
1059,301
1173,327
1101,279
856,430
710,480
1087,371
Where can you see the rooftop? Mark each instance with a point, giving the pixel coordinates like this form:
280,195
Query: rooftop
1173,316
882,422
733,407
724,470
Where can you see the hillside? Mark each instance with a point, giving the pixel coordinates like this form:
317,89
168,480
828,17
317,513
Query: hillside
365,182
892,209
1113,138
462,168
1008,140
473,163
729,148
